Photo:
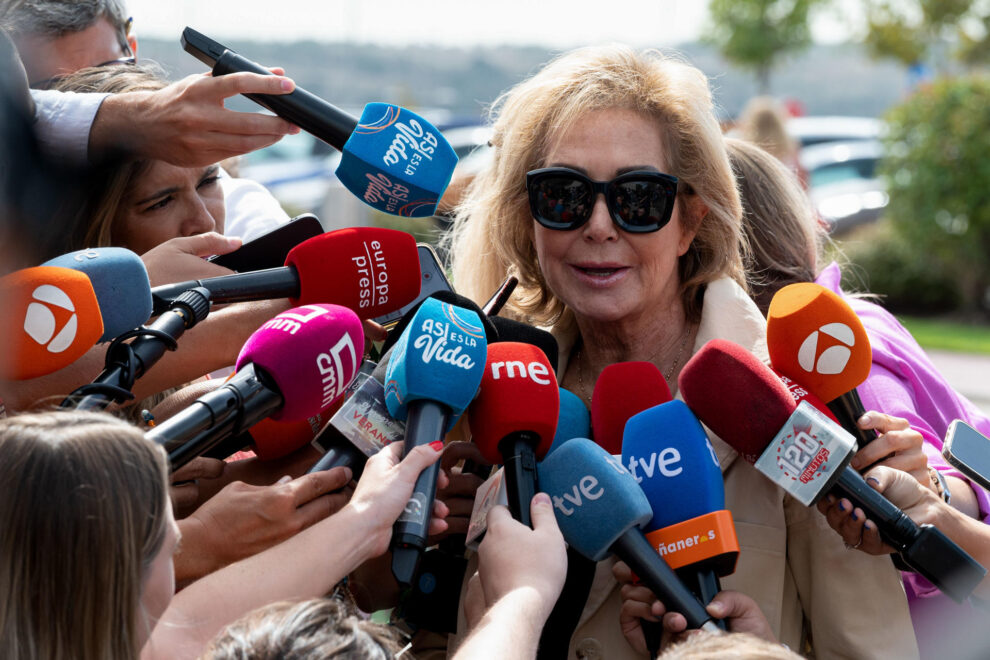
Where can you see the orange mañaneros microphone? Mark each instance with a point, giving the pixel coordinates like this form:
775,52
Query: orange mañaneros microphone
816,340
51,319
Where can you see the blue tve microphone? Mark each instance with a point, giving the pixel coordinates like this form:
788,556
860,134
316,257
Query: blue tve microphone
668,453
393,159
601,510
120,281
434,372
574,420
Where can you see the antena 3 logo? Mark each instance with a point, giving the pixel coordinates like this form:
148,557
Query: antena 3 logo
40,322
833,359
372,275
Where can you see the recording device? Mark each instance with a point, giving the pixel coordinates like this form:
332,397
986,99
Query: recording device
271,248
501,296
622,390
292,368
807,455
52,318
367,269
668,453
968,451
433,280
126,362
514,418
601,510
815,339
433,373
392,159
120,281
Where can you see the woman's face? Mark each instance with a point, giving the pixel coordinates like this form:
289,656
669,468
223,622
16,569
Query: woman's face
159,583
166,202
598,270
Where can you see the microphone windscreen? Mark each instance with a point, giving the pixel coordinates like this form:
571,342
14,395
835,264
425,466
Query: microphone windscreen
574,420
491,335
518,393
815,338
512,330
368,269
311,352
668,453
595,499
121,283
800,393
738,397
622,390
51,318
439,357
273,439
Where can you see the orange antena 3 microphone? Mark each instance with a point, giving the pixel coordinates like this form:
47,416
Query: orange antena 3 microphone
815,339
51,319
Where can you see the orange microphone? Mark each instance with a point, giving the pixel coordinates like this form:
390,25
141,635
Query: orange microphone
51,319
815,339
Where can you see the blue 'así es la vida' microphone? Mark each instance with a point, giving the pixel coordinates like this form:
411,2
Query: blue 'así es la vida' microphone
120,281
393,159
601,510
668,453
434,372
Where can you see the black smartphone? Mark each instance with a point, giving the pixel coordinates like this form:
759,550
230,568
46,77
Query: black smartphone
434,279
270,249
968,451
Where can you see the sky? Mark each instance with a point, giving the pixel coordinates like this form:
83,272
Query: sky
548,23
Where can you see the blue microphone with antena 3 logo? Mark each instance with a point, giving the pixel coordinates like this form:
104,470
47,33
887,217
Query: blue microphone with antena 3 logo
393,159
434,372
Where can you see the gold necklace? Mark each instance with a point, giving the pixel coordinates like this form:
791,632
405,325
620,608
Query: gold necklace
667,376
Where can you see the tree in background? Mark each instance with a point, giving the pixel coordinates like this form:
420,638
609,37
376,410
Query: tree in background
936,167
915,31
756,34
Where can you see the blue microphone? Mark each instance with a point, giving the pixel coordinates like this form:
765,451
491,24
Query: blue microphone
668,453
434,372
601,510
120,281
574,420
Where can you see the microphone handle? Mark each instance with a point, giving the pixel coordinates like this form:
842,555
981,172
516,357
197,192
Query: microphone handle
342,455
848,408
270,283
304,109
633,548
893,524
425,423
704,583
521,482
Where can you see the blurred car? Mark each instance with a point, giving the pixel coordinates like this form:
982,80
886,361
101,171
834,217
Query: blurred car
842,182
810,131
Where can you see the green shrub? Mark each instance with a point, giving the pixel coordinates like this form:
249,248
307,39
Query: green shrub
937,168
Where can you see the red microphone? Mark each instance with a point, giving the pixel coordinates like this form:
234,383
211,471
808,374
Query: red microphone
370,270
622,390
514,418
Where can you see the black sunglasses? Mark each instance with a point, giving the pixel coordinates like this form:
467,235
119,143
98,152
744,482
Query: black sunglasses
639,202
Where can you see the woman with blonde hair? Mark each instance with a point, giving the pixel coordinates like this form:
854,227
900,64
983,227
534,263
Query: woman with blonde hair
611,197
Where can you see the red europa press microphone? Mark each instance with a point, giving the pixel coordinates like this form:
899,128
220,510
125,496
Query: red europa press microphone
816,340
514,417
370,270
51,318
622,390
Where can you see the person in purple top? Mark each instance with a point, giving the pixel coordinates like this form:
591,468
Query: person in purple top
785,240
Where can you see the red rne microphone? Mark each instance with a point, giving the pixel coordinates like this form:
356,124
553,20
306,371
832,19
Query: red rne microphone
51,318
622,390
370,270
514,417
815,338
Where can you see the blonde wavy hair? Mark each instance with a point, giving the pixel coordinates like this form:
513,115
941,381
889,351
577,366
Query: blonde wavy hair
493,227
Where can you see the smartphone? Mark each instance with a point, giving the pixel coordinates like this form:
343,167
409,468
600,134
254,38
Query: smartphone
270,249
434,279
968,450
